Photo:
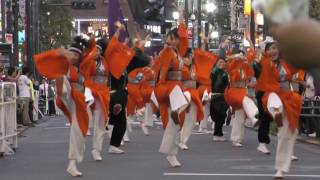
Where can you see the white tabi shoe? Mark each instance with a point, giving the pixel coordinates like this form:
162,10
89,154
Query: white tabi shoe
219,139
236,144
145,130
294,158
115,150
126,137
173,161
279,175
89,133
72,169
263,148
183,146
96,155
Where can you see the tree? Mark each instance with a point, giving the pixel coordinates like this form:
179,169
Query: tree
315,9
55,25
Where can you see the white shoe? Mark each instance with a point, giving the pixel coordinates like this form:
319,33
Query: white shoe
294,158
219,139
68,124
89,133
126,138
279,175
183,146
236,144
173,161
312,135
72,169
122,143
115,150
145,130
96,155
263,148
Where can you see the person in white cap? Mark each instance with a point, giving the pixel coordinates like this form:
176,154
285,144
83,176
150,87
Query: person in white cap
63,65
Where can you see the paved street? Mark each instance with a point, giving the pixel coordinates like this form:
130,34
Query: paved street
42,154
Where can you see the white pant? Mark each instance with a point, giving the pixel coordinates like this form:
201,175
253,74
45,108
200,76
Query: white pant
250,108
204,122
77,141
148,116
189,123
98,126
286,138
237,132
170,138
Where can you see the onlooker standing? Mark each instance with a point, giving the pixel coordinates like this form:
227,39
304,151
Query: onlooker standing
43,93
13,75
51,97
31,102
24,96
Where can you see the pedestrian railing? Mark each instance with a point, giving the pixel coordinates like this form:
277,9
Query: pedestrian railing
310,116
8,118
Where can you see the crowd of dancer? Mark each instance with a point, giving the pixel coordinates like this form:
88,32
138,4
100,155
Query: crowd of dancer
109,83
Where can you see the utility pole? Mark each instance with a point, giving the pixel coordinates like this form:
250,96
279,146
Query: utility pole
3,20
252,28
199,22
15,42
186,9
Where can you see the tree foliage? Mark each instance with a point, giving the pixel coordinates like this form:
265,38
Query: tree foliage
315,9
55,25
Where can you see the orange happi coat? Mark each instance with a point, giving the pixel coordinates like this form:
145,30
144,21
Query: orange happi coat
135,99
268,82
53,65
118,57
100,91
239,71
189,74
204,62
168,60
147,85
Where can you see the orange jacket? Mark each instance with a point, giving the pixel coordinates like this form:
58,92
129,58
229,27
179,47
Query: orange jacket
268,82
238,70
53,65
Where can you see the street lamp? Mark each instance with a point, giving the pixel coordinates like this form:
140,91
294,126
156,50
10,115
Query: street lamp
210,7
175,15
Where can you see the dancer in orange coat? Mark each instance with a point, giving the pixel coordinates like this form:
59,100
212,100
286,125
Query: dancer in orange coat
147,90
195,112
63,65
96,71
204,62
240,72
168,90
281,102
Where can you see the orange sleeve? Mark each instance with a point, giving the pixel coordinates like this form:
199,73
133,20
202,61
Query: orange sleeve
51,64
118,57
183,37
165,60
251,55
88,65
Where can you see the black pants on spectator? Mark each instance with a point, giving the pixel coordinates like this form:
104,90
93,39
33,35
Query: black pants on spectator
52,108
265,120
31,111
218,113
118,121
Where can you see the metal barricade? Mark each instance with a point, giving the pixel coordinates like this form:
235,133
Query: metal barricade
310,115
8,118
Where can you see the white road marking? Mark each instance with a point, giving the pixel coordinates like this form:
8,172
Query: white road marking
242,175
64,127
